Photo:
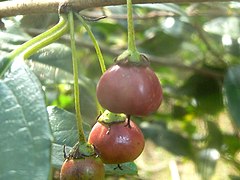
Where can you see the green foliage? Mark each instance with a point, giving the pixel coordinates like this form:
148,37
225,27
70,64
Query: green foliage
194,50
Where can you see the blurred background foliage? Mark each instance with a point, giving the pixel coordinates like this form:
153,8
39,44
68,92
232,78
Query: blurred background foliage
194,50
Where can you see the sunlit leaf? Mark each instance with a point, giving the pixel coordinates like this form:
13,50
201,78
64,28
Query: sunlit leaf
56,55
64,126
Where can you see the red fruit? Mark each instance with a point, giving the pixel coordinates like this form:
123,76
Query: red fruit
118,144
86,168
129,89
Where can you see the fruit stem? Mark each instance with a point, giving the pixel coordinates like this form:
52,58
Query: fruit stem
36,43
75,62
95,43
134,54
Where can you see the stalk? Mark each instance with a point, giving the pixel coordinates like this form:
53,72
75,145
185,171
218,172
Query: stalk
131,54
134,54
95,43
82,138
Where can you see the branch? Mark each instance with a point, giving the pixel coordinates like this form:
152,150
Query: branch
23,7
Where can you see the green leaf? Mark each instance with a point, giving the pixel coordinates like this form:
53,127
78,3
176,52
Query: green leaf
64,127
232,93
57,55
10,41
25,134
128,168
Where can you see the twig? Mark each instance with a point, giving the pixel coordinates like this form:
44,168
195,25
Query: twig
23,7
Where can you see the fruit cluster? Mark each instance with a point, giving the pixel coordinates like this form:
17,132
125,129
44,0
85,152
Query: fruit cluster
125,90
130,89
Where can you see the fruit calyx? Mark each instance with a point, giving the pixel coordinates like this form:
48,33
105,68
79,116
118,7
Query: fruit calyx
128,58
109,118
79,151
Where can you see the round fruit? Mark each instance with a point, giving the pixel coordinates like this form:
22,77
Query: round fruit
117,143
86,168
129,89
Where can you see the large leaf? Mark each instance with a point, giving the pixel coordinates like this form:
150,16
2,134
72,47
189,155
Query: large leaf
232,93
56,55
10,41
64,126
25,134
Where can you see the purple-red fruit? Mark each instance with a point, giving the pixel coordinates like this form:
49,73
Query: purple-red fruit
130,89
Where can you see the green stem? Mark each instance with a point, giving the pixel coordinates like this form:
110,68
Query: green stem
95,43
53,36
131,54
79,120
131,33
36,43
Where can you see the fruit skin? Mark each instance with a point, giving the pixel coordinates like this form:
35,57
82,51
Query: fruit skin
88,168
130,89
118,145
